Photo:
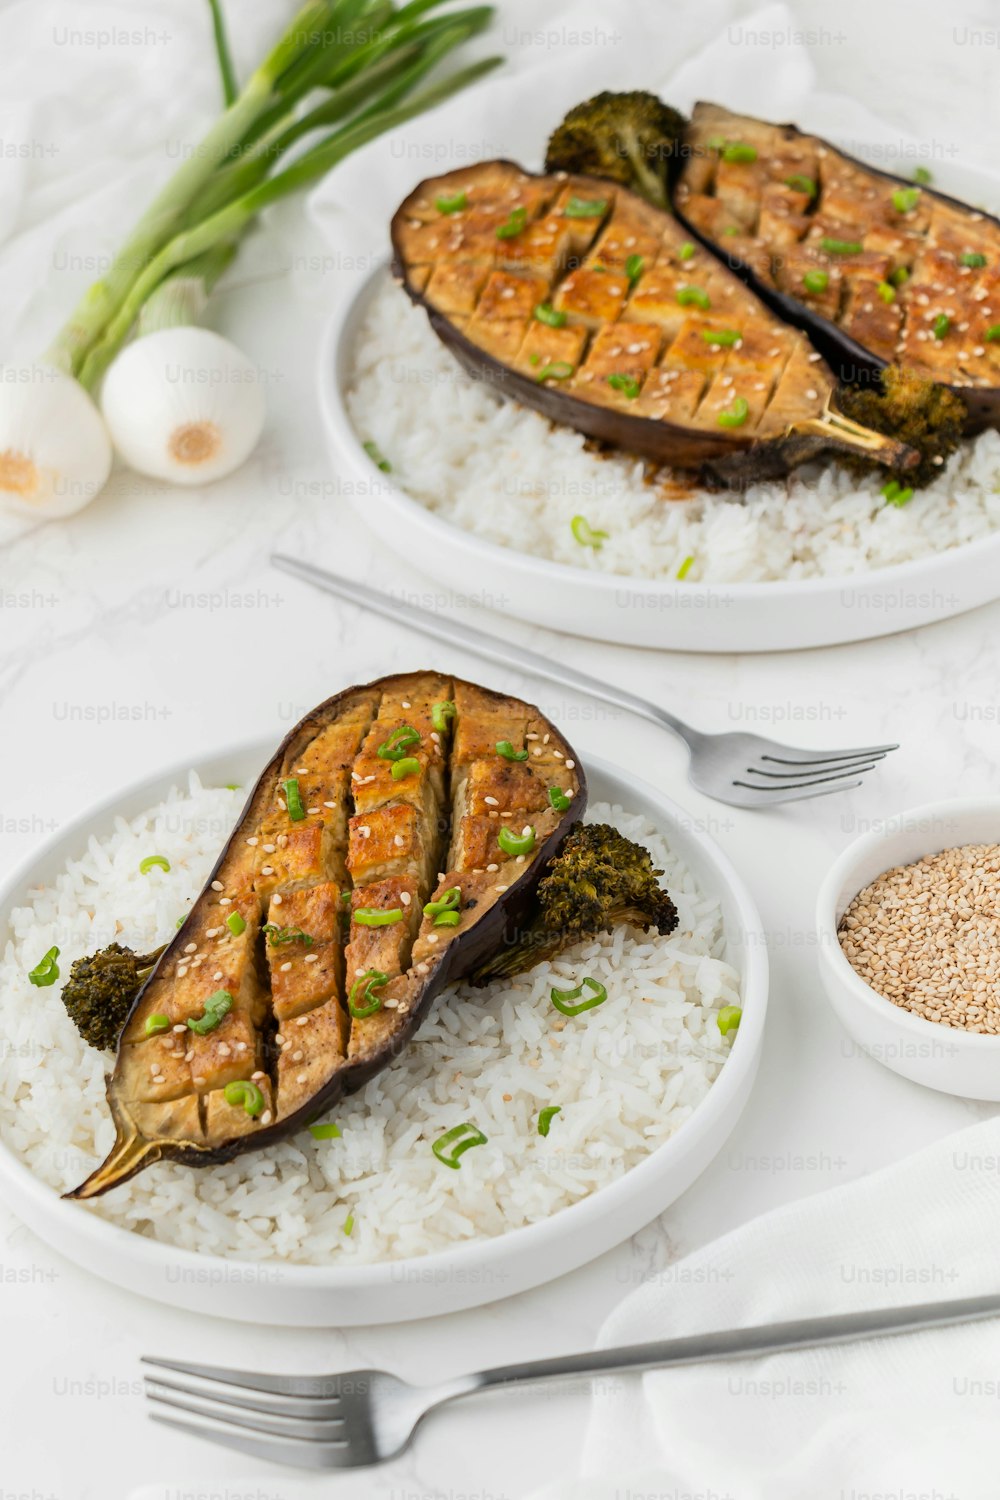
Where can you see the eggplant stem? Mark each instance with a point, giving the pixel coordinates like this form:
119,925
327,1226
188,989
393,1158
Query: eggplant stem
847,435
128,1156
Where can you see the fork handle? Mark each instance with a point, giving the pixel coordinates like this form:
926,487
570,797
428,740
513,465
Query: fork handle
739,1343
482,644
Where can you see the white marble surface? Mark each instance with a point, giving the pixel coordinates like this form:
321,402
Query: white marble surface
151,627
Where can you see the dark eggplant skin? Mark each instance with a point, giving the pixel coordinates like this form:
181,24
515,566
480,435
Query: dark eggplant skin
133,1152
851,362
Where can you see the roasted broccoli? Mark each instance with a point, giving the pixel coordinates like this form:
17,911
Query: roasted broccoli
905,405
100,990
598,879
626,137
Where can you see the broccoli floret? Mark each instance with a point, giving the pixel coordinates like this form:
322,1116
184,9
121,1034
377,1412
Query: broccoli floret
598,879
627,137
905,405
100,991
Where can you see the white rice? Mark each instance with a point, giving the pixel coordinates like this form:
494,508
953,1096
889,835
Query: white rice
506,474
625,1074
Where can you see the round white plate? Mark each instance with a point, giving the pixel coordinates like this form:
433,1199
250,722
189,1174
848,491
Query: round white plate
638,611
469,1274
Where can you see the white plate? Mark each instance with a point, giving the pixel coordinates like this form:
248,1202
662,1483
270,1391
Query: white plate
470,1274
639,611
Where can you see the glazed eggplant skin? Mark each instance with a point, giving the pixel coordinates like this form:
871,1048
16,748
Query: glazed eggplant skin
579,299
272,931
766,225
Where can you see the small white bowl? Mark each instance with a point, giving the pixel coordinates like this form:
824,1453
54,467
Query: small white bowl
941,1057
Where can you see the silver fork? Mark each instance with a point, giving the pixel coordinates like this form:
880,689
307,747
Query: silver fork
745,770
363,1417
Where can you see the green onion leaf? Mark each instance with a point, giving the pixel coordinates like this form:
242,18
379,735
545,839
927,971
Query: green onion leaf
921,174
277,935
235,923
216,1006
693,296
733,230
725,337
243,1091
372,450
399,741
455,1142
373,916
735,414
328,1132
886,291
157,1024
516,843
686,251
941,325
558,370
514,225
562,999
739,151
633,268
685,568
802,184
585,534
627,384
899,276
293,799
896,493
547,314
558,799
453,204
585,208
729,1018
506,749
448,919
153,862
233,786
841,247
992,334
365,986
546,1116
904,200
441,714
408,766
447,901
46,971
816,281
972,258
349,1224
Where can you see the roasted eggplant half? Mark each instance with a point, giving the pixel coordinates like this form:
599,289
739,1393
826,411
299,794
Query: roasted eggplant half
578,298
393,841
875,269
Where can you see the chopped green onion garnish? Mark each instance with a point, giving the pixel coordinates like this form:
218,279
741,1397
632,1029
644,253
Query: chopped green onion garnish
399,741
733,229
905,199
365,986
233,786
547,314
693,296
349,1224
516,843
816,281
373,916
686,251
558,799
941,325
452,205
685,568
546,1116
408,766
886,291
726,337
534,358
448,919
242,1091
153,862
514,225
585,208
447,901
739,151
735,414
441,713
562,999
293,800
972,258
729,1018
992,334
841,247
633,267
46,971
802,184
896,493
376,457
157,1024
328,1132
180,922
585,534
506,749
715,142
216,1006
921,174
899,276
558,370
276,935
455,1142
235,923
627,384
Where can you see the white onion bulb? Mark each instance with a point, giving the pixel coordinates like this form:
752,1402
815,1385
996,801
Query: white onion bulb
55,454
183,404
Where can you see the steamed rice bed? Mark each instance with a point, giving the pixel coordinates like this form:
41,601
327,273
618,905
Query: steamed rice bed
625,1075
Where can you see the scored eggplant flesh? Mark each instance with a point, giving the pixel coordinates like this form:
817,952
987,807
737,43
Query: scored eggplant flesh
578,298
877,270
320,890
